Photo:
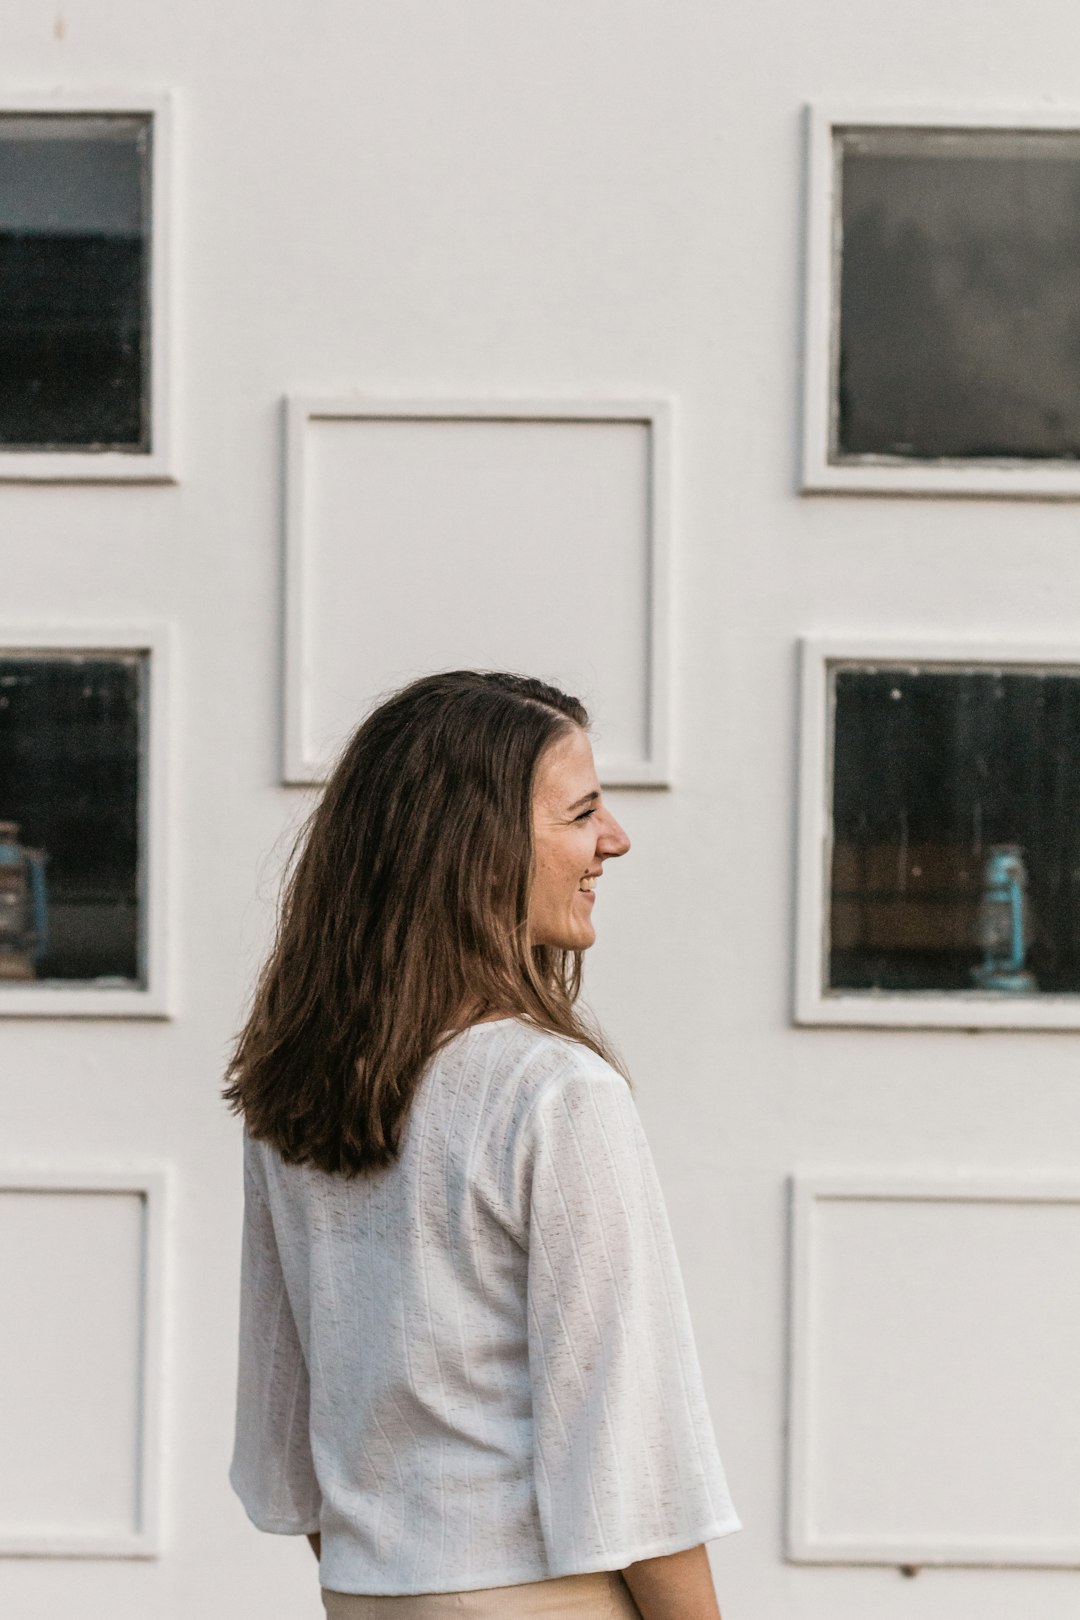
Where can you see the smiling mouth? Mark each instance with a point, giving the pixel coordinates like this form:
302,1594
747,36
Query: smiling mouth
587,885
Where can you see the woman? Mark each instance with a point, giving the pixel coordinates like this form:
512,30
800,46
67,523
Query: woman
467,1370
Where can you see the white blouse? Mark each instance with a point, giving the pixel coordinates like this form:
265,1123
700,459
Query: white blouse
476,1367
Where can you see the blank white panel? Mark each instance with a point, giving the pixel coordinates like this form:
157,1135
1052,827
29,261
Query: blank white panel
935,1415
71,1364
949,1343
431,542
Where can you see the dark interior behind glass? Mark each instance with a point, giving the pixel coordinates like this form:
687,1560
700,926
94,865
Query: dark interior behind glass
959,317
70,742
74,282
934,772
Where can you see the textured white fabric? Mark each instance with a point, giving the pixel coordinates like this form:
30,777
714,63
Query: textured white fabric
476,1367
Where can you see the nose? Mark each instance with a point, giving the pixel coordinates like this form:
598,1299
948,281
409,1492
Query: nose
613,840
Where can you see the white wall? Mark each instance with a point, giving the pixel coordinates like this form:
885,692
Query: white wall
579,197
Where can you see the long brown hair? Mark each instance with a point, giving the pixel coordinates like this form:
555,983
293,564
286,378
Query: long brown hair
405,904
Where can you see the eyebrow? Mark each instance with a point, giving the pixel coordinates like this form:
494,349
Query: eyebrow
586,799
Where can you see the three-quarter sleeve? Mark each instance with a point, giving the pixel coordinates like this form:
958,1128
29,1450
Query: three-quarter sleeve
272,1470
625,1458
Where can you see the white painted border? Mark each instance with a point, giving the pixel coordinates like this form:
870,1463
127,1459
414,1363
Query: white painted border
116,466
804,1544
882,475
152,1185
59,999
975,1009
301,767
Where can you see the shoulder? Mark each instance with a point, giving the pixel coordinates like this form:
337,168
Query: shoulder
538,1062
568,1094
508,1085
519,1073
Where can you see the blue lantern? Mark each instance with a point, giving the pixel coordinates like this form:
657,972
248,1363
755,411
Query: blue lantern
1004,923
23,905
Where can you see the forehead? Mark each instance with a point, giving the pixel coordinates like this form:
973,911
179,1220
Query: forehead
566,770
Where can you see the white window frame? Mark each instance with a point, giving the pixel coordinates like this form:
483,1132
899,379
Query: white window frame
118,466
808,1189
878,475
920,1009
59,999
151,1183
300,765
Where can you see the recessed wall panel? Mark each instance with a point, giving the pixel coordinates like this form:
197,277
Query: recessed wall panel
76,1380
522,542
937,1335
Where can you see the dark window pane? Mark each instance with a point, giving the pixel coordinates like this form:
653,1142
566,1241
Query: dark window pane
70,803
956,834
74,280
959,294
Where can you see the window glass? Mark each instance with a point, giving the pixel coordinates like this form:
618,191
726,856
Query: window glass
74,282
70,817
956,840
959,323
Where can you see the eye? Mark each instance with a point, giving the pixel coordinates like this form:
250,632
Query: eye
585,814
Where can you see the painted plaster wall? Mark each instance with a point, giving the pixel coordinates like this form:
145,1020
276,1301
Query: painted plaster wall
579,197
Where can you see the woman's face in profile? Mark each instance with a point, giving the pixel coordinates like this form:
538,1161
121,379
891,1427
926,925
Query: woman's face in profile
574,833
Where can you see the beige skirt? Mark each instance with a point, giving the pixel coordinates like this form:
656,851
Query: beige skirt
602,1596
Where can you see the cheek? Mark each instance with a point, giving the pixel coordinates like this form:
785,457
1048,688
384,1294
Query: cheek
550,883
575,859
559,868
570,877
557,880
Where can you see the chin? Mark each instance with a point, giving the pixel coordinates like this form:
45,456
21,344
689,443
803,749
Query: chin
575,938
568,942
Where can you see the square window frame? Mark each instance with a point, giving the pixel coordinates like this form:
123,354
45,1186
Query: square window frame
892,1009
120,466
86,1000
880,475
300,765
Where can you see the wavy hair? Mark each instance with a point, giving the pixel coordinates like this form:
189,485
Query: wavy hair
403,913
